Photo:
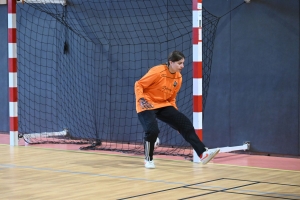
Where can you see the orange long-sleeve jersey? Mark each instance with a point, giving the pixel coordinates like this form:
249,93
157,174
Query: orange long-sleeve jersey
159,87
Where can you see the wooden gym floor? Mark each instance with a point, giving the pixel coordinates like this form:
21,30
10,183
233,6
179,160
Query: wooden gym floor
64,172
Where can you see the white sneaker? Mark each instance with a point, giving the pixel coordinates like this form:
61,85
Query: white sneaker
208,155
149,164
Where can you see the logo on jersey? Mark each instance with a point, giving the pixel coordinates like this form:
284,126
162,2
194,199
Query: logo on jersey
175,83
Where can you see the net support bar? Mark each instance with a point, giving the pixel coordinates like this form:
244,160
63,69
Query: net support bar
244,147
27,137
63,2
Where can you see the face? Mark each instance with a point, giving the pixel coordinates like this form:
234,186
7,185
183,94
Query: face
176,66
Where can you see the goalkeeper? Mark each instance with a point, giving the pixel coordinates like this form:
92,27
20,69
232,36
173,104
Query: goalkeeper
155,96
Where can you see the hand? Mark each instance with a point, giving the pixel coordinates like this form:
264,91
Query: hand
145,104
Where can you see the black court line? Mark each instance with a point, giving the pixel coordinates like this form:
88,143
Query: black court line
159,191
234,179
251,195
262,194
216,191
225,190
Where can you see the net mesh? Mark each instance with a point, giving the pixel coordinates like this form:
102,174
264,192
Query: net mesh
77,65
209,29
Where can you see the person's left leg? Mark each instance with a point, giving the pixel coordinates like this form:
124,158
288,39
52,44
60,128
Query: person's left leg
183,125
150,126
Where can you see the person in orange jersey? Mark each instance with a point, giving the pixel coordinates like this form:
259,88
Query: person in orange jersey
155,96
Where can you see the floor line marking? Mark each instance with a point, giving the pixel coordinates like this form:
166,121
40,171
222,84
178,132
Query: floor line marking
91,174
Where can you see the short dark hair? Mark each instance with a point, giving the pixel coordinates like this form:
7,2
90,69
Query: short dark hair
175,56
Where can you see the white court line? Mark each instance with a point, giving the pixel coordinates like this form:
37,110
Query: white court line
91,174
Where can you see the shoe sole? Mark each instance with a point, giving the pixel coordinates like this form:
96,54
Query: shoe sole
150,167
153,167
211,157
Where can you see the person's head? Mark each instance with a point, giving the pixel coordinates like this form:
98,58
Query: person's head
175,61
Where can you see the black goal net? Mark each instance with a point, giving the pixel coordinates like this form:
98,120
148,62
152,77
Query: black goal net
77,65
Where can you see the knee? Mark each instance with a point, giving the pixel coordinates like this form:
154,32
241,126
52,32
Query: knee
187,129
151,134
188,133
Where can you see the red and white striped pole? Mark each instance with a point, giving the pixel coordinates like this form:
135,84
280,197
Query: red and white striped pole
12,70
197,71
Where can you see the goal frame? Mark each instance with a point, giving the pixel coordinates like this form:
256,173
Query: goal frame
197,74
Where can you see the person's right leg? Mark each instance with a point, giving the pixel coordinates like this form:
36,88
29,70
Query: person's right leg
150,126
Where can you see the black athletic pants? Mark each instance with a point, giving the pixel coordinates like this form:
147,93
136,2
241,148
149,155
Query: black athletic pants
176,120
